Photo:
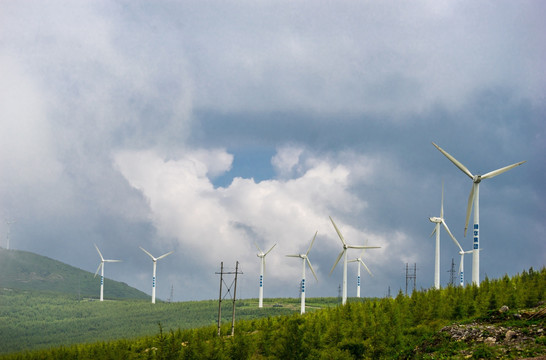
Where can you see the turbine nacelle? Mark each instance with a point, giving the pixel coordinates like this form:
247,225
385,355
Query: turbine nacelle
435,219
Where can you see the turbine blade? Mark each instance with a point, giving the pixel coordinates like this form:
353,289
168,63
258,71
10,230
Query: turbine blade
257,247
263,260
362,247
501,170
150,255
270,250
96,247
96,272
311,267
165,255
451,235
469,207
337,260
435,229
312,242
461,265
112,260
365,267
442,206
293,255
455,161
338,232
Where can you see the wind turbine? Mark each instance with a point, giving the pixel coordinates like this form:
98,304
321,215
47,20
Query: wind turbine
439,221
8,223
359,261
461,265
474,199
154,259
101,268
344,254
305,259
262,255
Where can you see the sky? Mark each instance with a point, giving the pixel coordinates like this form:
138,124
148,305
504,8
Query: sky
213,127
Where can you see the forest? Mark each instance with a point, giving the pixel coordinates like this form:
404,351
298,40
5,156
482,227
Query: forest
404,327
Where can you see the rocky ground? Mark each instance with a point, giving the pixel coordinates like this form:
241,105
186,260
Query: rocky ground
504,334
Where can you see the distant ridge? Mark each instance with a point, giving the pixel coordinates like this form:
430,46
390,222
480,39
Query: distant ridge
29,271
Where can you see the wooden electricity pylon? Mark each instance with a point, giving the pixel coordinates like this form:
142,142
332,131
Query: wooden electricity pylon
220,298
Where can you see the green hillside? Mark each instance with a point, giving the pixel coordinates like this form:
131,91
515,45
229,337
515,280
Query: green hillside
24,270
33,320
451,323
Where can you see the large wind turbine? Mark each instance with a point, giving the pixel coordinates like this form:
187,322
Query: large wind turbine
360,261
154,259
305,259
474,199
262,255
344,254
101,268
440,221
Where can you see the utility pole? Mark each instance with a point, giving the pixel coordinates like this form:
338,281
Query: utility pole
452,273
220,297
234,297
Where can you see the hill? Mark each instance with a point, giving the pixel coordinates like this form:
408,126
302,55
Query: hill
503,318
24,270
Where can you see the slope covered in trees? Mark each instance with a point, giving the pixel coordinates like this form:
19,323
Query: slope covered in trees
399,328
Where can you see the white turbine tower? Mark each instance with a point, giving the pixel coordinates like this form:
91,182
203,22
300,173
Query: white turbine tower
154,259
461,265
344,254
360,261
439,221
474,199
101,268
8,223
305,259
262,255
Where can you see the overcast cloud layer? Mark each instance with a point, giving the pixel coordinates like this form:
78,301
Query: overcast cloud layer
206,127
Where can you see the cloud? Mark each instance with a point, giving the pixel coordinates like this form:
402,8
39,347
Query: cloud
221,224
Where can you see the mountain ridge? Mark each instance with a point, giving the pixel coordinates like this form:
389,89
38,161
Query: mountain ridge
25,270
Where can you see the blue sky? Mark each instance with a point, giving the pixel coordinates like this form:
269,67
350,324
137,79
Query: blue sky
203,127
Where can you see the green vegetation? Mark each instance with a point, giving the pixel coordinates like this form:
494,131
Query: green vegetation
33,320
420,326
28,271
